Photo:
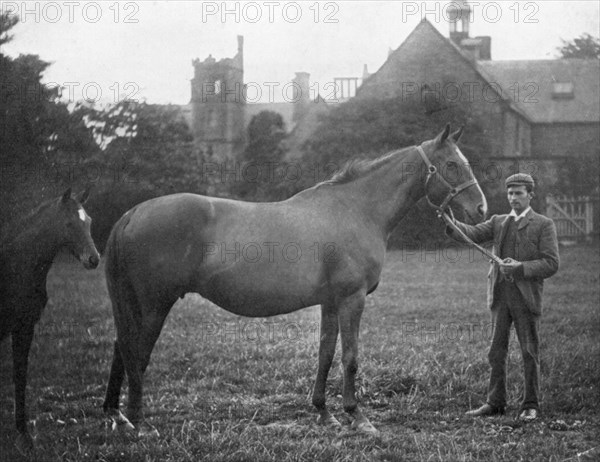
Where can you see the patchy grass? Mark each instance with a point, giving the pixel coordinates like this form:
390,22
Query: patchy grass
225,388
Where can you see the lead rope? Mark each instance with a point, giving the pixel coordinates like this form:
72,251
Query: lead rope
449,222
444,216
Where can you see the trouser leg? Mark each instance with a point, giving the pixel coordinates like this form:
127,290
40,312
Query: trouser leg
527,326
501,320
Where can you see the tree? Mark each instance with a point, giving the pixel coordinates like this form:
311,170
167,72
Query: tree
583,47
34,127
7,22
262,160
130,151
580,176
146,151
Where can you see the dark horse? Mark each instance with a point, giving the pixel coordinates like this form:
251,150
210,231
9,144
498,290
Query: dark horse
262,259
28,247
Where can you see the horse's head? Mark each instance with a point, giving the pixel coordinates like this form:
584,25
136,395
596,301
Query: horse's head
74,229
450,181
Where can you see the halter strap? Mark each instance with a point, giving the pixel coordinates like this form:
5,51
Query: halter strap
453,190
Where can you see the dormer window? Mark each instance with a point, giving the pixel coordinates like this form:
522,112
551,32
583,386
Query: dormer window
562,90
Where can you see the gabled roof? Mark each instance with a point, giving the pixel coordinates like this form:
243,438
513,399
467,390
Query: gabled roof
535,76
425,27
535,81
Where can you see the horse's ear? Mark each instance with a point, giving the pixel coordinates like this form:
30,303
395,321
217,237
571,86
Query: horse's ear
66,195
85,195
439,140
457,134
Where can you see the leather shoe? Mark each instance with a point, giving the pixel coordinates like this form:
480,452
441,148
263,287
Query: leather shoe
529,415
485,410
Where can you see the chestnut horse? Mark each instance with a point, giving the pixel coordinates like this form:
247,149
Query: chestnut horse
28,247
260,259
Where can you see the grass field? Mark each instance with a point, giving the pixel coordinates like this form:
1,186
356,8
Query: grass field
224,388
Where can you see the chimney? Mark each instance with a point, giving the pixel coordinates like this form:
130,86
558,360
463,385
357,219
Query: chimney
302,84
239,57
459,13
366,73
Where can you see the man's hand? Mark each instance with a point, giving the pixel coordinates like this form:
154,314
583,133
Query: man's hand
509,267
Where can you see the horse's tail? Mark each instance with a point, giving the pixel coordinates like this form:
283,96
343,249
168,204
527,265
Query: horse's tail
125,312
113,265
119,285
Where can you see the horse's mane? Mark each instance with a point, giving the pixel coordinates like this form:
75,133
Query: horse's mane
357,168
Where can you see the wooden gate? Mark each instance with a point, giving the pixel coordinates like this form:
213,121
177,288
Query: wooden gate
573,216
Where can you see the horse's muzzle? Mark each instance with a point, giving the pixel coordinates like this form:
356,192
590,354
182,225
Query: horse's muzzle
482,209
91,261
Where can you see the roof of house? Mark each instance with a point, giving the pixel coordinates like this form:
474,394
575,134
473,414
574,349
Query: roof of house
536,80
426,27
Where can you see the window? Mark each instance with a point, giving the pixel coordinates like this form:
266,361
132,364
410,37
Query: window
562,90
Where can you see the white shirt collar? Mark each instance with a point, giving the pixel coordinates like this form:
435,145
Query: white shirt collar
517,218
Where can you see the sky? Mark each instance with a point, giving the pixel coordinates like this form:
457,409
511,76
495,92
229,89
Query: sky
144,50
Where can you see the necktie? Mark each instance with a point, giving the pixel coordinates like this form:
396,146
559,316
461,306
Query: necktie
505,229
504,233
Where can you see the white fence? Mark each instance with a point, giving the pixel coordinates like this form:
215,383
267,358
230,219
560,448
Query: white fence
574,216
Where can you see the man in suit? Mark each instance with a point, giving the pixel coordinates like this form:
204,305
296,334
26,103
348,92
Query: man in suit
526,242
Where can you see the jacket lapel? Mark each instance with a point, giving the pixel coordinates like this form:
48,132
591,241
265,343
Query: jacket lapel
525,220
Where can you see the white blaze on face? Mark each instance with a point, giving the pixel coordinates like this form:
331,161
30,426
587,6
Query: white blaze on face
82,214
466,163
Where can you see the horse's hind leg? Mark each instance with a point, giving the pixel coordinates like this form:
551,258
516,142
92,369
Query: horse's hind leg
115,380
113,390
135,347
21,343
350,312
328,340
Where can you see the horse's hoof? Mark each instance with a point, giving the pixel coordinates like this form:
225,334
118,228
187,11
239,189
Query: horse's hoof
365,427
329,421
147,431
119,421
24,444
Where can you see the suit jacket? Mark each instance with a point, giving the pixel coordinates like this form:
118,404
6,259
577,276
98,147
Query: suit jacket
536,247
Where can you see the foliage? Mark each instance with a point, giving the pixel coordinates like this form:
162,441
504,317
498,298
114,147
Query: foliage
7,22
130,151
152,143
147,152
580,176
369,127
584,47
31,119
261,161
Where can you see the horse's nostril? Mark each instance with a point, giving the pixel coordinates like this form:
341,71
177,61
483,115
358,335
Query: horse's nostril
481,210
93,260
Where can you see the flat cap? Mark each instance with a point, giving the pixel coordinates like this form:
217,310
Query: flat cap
520,179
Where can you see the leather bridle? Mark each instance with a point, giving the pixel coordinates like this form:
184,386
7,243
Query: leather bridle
453,191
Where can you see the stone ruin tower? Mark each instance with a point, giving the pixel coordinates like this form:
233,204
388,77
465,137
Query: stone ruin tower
218,105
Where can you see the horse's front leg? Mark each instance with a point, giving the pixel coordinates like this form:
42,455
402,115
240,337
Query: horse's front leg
21,343
327,343
350,311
